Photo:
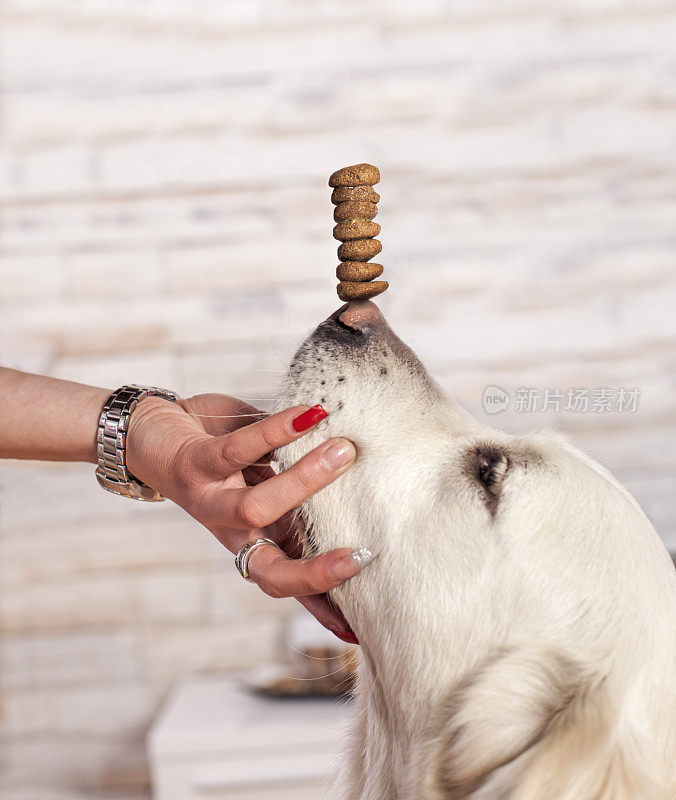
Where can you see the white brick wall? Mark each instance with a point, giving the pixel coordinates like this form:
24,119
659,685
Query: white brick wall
528,211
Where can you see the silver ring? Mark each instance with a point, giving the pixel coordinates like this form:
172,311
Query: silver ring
245,553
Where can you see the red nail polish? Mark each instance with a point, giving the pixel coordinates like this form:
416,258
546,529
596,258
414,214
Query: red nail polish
308,418
346,636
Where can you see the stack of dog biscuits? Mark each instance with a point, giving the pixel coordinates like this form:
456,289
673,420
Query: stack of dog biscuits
355,207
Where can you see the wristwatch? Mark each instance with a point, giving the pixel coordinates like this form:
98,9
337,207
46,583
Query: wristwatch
111,442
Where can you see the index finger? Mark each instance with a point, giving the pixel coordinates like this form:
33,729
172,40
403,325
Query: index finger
281,576
248,444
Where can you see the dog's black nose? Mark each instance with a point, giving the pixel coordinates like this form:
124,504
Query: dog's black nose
361,316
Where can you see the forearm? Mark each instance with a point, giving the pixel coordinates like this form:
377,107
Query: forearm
48,419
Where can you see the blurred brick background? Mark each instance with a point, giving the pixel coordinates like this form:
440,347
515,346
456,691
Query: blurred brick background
166,220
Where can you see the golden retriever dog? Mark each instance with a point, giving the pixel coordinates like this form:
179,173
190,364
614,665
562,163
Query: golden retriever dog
518,624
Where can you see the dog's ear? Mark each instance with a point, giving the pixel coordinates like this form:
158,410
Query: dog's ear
488,465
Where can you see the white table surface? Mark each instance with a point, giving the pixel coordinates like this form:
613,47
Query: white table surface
214,738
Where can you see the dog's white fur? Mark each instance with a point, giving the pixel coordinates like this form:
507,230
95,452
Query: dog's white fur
518,626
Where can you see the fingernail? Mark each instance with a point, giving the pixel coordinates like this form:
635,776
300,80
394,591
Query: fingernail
338,453
346,636
308,418
351,564
362,555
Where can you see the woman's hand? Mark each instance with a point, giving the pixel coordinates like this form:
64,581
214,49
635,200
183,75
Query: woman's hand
210,455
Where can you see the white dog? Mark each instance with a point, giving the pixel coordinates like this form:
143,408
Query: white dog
518,625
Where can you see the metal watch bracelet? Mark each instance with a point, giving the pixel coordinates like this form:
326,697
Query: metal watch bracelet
111,442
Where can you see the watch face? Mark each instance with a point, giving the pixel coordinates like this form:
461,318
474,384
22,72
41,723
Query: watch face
142,492
133,489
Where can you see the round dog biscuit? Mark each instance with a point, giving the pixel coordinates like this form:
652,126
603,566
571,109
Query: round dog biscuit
360,291
348,194
359,250
355,229
356,175
358,271
355,210
355,203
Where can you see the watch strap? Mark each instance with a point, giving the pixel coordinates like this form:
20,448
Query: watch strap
111,442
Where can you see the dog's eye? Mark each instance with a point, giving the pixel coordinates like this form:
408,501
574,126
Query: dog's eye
488,465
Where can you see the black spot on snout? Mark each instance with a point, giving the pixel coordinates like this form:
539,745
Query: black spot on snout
487,466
